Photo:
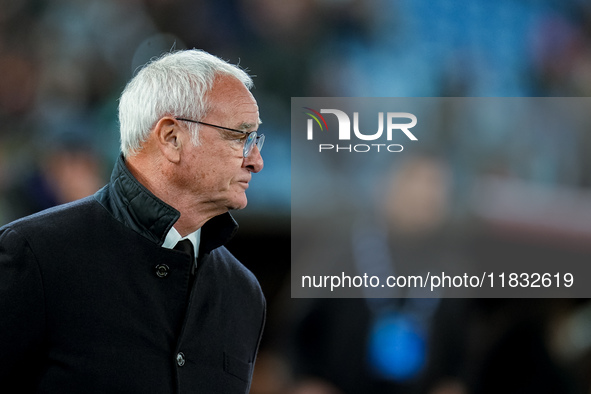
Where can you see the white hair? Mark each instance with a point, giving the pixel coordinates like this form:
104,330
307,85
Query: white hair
175,84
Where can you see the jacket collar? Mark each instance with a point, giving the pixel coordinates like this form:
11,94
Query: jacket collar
137,208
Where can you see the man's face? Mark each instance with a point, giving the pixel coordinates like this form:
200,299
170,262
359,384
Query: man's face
215,172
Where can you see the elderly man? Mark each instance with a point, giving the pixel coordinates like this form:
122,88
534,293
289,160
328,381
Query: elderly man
131,290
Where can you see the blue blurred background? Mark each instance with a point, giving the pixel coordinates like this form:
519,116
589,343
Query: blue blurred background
63,64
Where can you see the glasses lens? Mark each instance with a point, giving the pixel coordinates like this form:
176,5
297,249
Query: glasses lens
251,141
260,142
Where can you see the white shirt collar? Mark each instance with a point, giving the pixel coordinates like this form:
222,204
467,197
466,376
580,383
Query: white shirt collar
173,237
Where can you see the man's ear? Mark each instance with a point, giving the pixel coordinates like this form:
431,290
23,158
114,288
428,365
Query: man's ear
168,137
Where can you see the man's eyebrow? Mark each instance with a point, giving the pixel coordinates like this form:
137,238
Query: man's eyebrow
246,125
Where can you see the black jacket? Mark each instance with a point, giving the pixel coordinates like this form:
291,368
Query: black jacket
91,303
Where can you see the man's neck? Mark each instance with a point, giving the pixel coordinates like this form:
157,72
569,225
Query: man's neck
194,213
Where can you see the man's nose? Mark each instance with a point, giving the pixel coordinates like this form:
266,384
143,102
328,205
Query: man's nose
254,161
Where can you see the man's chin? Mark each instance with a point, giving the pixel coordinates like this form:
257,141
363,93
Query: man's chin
237,205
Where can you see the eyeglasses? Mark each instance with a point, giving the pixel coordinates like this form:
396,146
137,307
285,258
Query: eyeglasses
252,138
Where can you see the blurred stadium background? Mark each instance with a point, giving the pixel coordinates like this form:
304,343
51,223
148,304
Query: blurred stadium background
63,64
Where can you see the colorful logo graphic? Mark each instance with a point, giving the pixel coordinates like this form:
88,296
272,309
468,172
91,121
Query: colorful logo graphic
315,117
388,127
